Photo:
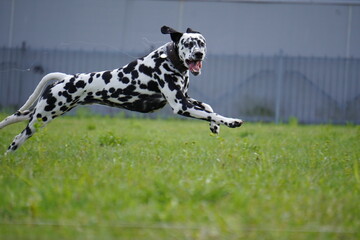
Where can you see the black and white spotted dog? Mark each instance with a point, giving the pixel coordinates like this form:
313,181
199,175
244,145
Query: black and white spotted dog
144,85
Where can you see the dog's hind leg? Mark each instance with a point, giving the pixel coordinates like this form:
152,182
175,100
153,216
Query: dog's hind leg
24,135
16,117
39,118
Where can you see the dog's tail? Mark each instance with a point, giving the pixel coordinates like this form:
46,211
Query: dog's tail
40,87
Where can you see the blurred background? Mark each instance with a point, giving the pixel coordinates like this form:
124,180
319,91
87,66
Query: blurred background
267,60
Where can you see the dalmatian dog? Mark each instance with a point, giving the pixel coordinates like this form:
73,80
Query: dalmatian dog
144,85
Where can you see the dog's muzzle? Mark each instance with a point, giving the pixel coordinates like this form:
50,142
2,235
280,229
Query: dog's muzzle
195,63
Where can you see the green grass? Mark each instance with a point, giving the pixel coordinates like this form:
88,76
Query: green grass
115,178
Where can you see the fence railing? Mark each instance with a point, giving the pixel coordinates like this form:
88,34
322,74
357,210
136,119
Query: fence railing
255,88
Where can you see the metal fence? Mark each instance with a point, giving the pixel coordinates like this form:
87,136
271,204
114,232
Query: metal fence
254,88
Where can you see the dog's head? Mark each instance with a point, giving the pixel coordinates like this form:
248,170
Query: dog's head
191,47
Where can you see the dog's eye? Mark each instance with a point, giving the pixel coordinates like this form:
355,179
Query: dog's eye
201,44
189,44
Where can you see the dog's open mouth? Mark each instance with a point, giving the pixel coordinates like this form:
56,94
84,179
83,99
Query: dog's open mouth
194,66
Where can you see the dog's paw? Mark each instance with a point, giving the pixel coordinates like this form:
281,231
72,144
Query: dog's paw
235,123
214,127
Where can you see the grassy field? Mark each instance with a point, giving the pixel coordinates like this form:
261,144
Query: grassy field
116,178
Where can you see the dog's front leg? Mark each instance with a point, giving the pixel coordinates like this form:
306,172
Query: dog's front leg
181,105
214,127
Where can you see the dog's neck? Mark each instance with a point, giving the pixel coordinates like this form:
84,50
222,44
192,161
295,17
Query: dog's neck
173,56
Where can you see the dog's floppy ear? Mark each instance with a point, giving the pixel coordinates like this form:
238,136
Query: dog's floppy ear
175,35
189,30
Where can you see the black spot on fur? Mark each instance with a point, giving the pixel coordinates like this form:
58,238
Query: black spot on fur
28,131
158,62
130,67
116,93
80,84
170,79
64,108
104,94
134,74
106,77
129,90
153,86
88,100
162,83
49,108
146,70
125,80
186,114
70,87
67,96
120,75
167,68
50,100
91,77
47,92
159,80
155,56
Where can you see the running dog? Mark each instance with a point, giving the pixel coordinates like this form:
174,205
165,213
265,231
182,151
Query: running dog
144,85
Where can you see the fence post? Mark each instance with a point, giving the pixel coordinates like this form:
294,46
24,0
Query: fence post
279,80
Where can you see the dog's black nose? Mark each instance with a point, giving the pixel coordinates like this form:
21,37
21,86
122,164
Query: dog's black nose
198,55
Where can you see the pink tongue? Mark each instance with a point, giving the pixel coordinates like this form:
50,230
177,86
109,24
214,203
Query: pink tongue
195,66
